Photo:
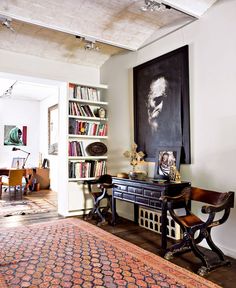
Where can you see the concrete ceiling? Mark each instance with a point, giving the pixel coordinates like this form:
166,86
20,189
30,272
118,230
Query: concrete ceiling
47,28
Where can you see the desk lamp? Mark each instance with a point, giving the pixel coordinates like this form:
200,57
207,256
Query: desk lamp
28,153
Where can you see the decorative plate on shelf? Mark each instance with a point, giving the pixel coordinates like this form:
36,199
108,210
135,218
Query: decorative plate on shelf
96,149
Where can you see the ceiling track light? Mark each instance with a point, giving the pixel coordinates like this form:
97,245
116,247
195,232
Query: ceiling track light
154,5
6,22
8,92
91,46
89,43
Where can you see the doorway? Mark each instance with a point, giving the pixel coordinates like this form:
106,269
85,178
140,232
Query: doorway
25,103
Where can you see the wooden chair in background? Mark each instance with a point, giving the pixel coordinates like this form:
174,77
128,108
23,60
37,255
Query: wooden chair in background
14,182
195,229
103,183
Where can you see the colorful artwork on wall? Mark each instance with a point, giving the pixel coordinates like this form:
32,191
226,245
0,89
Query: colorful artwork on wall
15,135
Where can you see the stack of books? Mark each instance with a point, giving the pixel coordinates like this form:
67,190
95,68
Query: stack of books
87,169
76,148
84,93
75,109
78,127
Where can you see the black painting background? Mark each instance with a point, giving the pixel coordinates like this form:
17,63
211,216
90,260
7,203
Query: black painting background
173,121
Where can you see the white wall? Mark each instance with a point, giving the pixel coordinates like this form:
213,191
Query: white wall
20,113
27,65
212,63
43,146
34,115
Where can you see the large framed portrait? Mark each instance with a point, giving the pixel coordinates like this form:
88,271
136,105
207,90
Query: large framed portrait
161,104
165,158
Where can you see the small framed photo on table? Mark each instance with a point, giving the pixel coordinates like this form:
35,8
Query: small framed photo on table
165,158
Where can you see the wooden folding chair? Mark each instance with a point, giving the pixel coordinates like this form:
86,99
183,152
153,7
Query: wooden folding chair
195,229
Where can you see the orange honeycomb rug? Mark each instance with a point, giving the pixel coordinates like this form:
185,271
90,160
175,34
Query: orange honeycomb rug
73,253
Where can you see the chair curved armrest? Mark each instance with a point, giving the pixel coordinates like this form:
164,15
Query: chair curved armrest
91,182
183,196
105,185
172,198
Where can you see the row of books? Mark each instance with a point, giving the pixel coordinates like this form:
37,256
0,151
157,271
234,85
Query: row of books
76,109
76,148
84,93
87,169
78,127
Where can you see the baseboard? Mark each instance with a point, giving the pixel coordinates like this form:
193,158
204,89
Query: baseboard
226,251
76,213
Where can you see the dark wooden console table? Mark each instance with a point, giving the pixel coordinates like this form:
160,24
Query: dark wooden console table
146,193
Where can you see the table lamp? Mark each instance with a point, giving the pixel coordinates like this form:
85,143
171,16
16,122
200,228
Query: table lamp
28,153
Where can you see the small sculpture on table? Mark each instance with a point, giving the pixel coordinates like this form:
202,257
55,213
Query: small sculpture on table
136,158
177,177
174,174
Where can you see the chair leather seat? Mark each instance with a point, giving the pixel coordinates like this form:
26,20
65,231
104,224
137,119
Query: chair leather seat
190,220
96,194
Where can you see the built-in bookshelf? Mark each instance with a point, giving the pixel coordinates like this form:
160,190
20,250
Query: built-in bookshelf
87,124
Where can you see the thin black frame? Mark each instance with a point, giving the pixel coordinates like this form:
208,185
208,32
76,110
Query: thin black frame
52,147
160,149
142,77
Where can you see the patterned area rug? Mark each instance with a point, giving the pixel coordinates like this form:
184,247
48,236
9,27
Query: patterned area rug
73,253
10,208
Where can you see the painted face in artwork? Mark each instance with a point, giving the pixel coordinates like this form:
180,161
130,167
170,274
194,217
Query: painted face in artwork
156,95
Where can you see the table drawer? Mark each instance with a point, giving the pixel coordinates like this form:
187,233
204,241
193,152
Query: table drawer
151,193
135,190
117,194
141,200
154,203
129,197
121,187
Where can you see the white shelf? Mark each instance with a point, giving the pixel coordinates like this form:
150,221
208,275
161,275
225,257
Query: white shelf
88,118
87,157
98,86
88,101
76,196
87,136
81,179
